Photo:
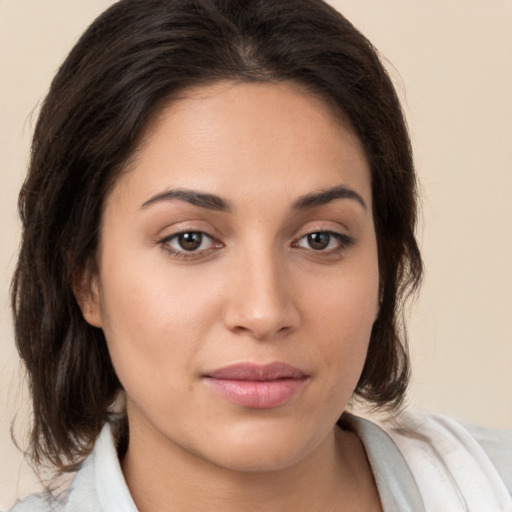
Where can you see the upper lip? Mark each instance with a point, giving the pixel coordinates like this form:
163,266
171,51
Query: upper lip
257,372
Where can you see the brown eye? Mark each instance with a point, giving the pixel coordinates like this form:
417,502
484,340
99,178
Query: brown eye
319,241
193,245
325,241
190,241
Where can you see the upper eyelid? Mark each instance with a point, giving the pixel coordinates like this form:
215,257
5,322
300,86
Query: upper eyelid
343,242
342,236
341,231
172,231
295,238
167,238
183,231
201,226
323,224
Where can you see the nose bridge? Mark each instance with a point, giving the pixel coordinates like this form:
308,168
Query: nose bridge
261,302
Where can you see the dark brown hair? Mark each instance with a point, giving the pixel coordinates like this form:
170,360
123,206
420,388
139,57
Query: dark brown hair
134,57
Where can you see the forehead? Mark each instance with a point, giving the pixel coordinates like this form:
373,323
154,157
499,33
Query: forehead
245,138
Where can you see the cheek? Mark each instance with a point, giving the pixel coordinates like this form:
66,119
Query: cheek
338,318
341,314
153,322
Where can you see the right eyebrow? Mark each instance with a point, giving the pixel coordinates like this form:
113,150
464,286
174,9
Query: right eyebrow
203,200
326,196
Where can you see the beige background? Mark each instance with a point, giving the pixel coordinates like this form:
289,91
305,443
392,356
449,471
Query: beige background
453,66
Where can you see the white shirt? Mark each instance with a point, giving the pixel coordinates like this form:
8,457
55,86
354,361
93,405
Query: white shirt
421,462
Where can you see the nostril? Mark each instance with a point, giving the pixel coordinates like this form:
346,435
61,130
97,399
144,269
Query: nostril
261,328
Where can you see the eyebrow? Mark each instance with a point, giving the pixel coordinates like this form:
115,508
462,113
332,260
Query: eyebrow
216,203
203,200
326,196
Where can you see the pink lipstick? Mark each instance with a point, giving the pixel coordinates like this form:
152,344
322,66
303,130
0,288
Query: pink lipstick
257,386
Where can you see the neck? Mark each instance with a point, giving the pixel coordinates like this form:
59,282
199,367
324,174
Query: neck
163,476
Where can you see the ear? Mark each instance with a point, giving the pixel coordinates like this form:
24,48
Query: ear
86,290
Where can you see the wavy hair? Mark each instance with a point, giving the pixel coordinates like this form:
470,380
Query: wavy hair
132,59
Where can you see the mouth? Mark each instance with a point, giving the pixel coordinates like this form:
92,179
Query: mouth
257,386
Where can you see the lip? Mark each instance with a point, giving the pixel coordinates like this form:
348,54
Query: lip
257,386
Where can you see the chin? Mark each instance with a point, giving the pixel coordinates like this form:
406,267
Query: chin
258,460
261,450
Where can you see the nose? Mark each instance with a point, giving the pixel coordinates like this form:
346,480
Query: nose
261,301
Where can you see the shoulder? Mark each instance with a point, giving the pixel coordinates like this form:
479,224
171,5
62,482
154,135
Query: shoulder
497,444
98,485
430,428
450,461
78,492
74,498
40,502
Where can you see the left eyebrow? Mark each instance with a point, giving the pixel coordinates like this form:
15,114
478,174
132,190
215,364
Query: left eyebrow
203,200
326,196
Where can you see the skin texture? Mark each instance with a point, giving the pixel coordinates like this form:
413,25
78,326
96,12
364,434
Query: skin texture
255,290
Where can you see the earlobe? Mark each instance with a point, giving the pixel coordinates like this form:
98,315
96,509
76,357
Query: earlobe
86,291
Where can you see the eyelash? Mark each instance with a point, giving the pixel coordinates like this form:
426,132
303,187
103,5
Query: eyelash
184,254
344,242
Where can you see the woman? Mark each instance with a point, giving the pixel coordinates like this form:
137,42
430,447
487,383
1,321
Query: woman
218,238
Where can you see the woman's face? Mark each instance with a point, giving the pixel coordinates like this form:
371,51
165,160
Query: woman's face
237,278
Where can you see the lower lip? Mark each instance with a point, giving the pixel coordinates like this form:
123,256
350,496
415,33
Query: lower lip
257,394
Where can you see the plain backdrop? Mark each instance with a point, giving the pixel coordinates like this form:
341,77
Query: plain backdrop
452,64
